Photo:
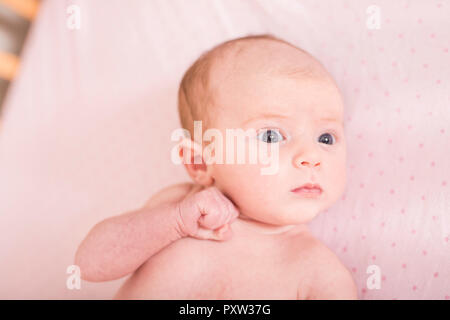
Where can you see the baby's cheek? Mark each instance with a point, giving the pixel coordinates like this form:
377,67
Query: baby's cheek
251,181
337,180
247,186
236,178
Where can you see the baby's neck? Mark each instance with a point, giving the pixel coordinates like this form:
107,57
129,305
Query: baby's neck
248,225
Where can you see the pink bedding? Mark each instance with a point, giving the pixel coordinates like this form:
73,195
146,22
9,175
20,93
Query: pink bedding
86,131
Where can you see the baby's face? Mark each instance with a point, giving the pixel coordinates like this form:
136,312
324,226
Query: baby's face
308,114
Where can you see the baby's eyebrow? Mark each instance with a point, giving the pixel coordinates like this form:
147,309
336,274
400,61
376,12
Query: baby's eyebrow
281,116
266,115
329,119
332,119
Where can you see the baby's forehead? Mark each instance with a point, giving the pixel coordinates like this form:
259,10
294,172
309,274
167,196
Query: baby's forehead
251,78
279,101
267,56
276,90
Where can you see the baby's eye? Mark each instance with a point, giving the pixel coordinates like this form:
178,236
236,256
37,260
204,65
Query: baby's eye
270,136
325,138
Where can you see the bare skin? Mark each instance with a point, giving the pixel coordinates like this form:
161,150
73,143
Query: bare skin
271,254
118,245
257,262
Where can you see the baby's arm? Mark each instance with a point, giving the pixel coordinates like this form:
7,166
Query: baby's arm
117,246
331,280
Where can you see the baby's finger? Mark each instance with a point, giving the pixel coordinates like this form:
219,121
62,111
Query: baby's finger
220,234
212,220
205,234
224,233
233,212
234,217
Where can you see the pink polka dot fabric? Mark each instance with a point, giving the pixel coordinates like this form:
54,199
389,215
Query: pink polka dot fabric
85,132
395,213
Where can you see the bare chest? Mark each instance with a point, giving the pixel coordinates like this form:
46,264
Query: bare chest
254,275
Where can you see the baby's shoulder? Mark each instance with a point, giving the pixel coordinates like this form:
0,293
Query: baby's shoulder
328,278
186,255
313,251
176,272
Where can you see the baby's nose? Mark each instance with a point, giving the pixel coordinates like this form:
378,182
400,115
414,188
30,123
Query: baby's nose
300,162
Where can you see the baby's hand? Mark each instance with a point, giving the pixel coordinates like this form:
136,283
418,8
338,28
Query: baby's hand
206,215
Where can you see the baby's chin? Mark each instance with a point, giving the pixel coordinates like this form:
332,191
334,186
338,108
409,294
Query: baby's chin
303,211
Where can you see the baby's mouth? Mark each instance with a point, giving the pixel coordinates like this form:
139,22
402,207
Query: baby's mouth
308,190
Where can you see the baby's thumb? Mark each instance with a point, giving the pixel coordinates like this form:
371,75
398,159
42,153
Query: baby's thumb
220,234
223,233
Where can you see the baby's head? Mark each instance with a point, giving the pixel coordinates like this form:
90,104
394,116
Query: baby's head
290,100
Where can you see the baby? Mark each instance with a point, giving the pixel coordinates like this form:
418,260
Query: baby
235,233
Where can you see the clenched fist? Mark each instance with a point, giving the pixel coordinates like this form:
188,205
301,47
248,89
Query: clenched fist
206,215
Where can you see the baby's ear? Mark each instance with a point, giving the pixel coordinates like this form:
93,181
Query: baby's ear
191,153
